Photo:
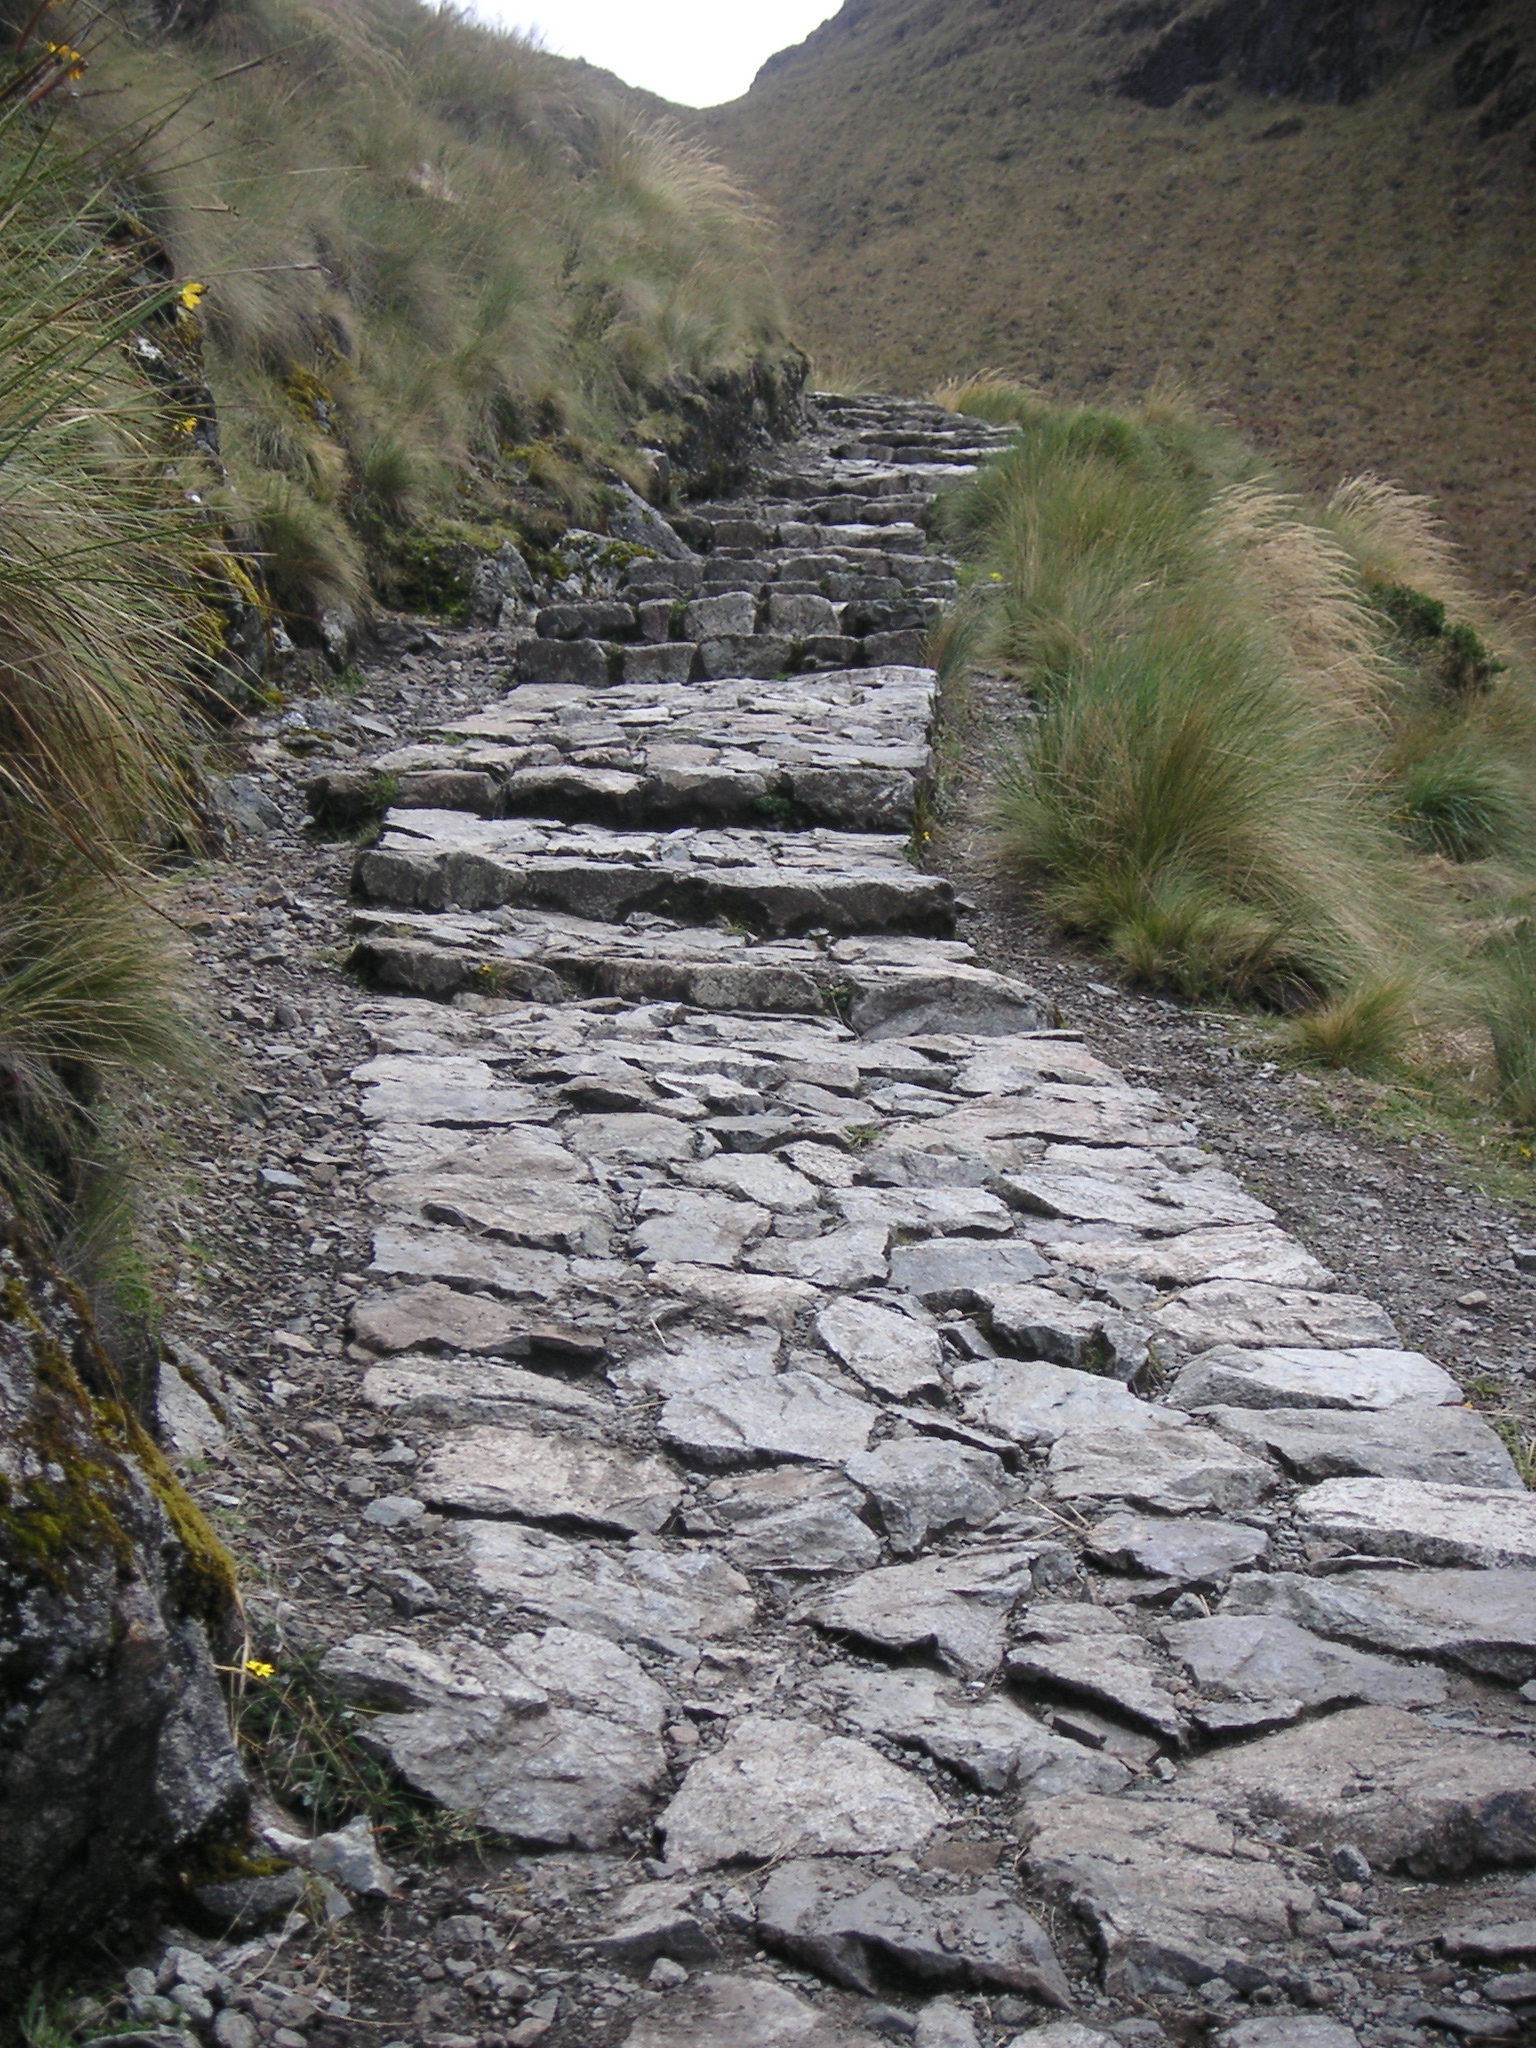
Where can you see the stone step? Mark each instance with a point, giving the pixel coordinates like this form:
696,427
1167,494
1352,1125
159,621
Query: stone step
876,986
775,882
847,750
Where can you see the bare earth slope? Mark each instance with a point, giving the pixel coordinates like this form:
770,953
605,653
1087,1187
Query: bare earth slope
1331,238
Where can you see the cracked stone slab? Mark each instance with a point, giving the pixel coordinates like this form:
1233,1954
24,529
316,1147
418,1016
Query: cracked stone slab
1090,1653
922,1488
1408,1796
1035,1322
792,1415
452,1089
1190,1551
794,1518
551,1478
697,1359
1161,1207
991,1741
572,1220
1229,1312
459,1392
437,1318
956,1609
1479,1621
1034,1403
707,1229
652,1920
1448,1446
1266,1657
926,1212
889,1352
849,1258
1172,1466
402,1251
742,2012
1282,1377
555,1741
661,1599
831,1917
1426,1523
752,1297
1197,1255
1175,1894
781,1788
951,1272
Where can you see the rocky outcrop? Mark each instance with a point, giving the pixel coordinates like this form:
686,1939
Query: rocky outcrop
115,1748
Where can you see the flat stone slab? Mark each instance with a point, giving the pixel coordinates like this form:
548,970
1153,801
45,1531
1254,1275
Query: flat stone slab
783,1788
1231,1312
550,1478
1408,1796
951,1272
462,1391
1266,1255
1479,1621
780,882
1448,1446
830,1916
709,1229
742,2012
1195,1553
850,1258
1035,1322
1164,1207
1290,1378
794,1518
921,1488
1503,1941
1428,1524
890,1352
554,1741
1170,1466
1175,1894
1034,1403
955,1609
663,1600
1266,1657
1090,1653
792,1415
990,1741
1288,2030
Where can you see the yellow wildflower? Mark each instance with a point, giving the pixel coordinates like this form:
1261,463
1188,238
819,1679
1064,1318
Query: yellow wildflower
191,295
257,1669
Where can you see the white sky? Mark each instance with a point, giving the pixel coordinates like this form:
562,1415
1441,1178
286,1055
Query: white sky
696,52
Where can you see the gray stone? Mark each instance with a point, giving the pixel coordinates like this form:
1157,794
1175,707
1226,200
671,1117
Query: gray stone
1170,1466
830,1916
350,1857
1266,1657
922,1488
1291,1378
1063,2034
700,1359
1232,1312
554,1741
659,1599
740,1297
794,1518
436,1318
1035,1322
549,1478
888,1351
1409,1796
582,662
1034,1404
1504,1941
245,1905
1162,1207
232,2029
756,1177
1260,1254
1175,1894
707,1229
654,1920
782,1788
955,1609
848,1258
669,662
944,2024
800,616
991,1741
1435,1525
188,1421
1449,1446
952,1272
1480,1621
731,615
792,1415
1288,2030
460,1391
926,1212
1194,1553
1090,1653
742,2012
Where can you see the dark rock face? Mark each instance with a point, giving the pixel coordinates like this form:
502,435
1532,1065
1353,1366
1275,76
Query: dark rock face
719,423
115,1749
1323,50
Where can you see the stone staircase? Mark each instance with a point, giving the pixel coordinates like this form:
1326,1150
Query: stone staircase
906,1485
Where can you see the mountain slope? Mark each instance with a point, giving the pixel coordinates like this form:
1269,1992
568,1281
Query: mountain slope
1267,198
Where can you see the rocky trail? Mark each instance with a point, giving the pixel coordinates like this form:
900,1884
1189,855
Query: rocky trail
888,1536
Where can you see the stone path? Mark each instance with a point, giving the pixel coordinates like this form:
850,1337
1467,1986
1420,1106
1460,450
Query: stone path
923,1520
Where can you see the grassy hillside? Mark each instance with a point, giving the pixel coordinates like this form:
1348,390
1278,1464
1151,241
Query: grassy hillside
963,183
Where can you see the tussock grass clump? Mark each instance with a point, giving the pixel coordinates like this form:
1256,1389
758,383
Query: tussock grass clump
1248,719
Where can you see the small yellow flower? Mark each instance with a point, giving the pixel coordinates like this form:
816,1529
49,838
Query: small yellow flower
996,578
72,59
257,1669
187,426
191,295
